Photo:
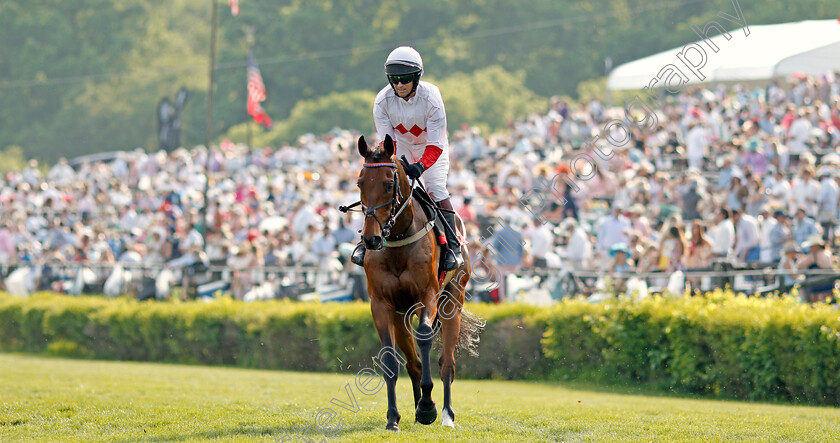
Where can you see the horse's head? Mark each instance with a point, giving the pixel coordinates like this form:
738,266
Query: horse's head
382,184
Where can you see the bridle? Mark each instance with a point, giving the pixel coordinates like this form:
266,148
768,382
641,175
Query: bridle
396,202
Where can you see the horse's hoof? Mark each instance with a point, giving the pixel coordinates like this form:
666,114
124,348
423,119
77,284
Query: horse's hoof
393,427
447,420
425,416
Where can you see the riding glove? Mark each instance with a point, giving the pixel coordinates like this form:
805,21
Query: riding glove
415,170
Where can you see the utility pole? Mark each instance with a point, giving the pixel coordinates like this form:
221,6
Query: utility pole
211,72
209,130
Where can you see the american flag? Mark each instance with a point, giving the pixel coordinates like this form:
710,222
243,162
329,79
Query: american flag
256,93
234,7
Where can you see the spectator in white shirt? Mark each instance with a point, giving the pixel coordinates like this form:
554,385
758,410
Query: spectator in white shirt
767,223
780,189
324,245
612,230
804,192
722,234
578,246
696,142
798,133
746,237
542,240
827,201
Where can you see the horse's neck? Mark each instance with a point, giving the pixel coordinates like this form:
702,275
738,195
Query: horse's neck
405,224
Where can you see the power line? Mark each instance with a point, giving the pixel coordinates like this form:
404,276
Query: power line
338,52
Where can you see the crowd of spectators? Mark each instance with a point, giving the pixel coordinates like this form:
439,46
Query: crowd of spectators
747,175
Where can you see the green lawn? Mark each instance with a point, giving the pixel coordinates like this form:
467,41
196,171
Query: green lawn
50,399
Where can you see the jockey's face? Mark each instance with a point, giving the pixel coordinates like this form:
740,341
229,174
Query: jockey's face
403,85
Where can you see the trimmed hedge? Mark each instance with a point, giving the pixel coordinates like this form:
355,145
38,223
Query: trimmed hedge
719,344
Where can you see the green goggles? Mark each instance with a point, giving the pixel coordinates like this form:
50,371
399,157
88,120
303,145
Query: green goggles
404,79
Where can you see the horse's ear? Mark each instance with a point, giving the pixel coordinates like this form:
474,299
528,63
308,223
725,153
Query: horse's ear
389,145
363,147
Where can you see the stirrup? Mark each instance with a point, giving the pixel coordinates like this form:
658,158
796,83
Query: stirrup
452,260
358,255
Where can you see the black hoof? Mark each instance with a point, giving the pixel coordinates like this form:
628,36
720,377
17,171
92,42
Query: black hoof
425,416
393,427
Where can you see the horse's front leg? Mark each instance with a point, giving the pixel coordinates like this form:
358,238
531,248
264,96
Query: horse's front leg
383,316
426,412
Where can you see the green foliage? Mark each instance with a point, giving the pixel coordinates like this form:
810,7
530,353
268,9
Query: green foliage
719,344
490,98
12,159
353,109
86,76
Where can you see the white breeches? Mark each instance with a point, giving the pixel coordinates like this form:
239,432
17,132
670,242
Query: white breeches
434,178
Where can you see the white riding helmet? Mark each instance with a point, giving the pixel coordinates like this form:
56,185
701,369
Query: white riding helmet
404,60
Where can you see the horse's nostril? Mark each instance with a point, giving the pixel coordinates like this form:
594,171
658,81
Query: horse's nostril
373,243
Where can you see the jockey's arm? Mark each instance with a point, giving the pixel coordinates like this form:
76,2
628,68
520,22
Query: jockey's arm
435,135
382,122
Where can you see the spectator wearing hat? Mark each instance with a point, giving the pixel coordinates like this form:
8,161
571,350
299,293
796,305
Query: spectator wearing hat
787,264
818,257
620,263
727,171
240,262
804,228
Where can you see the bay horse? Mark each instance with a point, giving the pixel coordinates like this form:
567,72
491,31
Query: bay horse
401,265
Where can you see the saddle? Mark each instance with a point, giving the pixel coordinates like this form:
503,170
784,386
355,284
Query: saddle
435,214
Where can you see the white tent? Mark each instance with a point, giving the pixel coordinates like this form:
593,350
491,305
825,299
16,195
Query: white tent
768,51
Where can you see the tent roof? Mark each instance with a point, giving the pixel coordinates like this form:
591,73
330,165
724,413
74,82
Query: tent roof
811,47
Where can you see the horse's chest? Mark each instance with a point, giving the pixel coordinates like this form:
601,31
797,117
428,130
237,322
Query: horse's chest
403,283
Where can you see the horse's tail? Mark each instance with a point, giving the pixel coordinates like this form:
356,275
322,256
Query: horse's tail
469,335
471,328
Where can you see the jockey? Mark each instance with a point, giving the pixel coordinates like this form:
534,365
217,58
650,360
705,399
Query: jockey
412,113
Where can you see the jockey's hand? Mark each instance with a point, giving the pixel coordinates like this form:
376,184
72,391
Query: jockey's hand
414,170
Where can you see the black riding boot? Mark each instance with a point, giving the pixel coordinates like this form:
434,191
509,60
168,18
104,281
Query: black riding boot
453,259
358,256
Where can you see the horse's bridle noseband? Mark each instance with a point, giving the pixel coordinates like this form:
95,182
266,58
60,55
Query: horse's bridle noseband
395,202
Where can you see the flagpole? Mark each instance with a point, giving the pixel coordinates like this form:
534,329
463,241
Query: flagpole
209,131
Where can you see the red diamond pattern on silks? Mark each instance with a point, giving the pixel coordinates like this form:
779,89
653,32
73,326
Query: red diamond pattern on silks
415,130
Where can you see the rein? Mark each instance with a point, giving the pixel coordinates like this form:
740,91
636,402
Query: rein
397,204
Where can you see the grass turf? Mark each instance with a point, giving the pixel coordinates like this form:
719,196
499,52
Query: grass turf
51,399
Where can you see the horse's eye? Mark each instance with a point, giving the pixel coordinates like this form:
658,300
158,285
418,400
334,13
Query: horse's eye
389,186
358,185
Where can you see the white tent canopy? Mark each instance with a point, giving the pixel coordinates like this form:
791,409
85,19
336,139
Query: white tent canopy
769,51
